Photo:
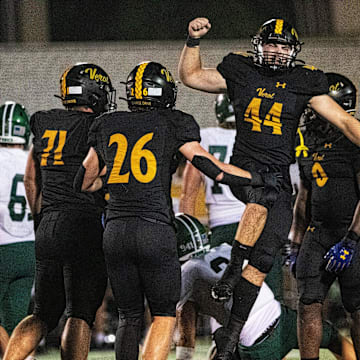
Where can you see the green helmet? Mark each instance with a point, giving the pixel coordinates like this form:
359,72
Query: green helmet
14,124
224,110
192,237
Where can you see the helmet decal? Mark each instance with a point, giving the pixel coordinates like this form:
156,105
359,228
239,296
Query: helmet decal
14,124
192,237
88,85
150,85
279,26
63,88
138,80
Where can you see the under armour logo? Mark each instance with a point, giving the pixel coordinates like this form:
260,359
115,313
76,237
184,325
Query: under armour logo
328,145
311,228
279,84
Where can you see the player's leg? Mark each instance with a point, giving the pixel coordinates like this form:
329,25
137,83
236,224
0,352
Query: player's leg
25,338
17,300
186,318
75,339
260,209
49,293
158,340
161,278
84,278
122,265
262,258
4,340
313,284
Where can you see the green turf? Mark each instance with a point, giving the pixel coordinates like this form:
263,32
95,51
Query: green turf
202,346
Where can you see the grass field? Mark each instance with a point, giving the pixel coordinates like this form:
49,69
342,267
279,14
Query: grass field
202,346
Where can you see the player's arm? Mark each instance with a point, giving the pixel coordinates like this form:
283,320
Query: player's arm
192,181
340,255
326,107
32,183
355,224
212,167
301,214
191,71
88,177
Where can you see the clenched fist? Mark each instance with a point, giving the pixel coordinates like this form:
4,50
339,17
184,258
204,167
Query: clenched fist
199,27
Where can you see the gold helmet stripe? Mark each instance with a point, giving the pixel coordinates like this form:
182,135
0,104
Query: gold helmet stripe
138,80
279,26
63,87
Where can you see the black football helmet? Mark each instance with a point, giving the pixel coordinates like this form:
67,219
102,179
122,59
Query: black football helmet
224,111
87,85
150,85
276,31
343,91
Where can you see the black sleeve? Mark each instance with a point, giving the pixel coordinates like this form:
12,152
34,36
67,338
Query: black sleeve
93,133
185,128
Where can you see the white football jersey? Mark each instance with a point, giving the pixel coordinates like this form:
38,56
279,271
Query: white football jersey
16,224
222,205
210,268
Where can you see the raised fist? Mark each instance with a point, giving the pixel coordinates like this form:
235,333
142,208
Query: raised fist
199,27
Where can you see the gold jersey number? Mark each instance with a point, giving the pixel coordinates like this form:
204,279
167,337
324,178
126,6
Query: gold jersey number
136,154
272,118
51,135
319,174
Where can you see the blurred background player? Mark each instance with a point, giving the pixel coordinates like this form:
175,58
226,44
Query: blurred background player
139,238
327,199
270,332
224,210
70,267
17,265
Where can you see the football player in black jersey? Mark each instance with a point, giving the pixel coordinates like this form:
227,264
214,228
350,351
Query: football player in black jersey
136,151
70,266
269,92
325,206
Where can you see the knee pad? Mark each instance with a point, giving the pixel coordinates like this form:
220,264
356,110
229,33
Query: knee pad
263,260
245,294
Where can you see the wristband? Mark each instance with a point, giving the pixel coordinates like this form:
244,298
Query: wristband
353,236
192,42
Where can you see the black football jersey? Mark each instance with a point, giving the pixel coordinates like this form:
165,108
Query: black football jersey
139,150
61,144
268,105
329,173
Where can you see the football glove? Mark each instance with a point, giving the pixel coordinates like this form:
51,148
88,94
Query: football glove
340,255
292,257
223,289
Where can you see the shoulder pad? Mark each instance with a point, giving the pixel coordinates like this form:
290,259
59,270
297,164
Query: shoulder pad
310,67
241,53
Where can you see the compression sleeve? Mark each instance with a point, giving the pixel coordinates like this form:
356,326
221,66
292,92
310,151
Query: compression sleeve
211,170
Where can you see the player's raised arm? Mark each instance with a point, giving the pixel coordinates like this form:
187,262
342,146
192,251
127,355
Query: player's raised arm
191,71
326,107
